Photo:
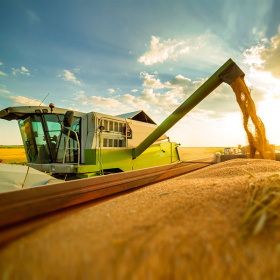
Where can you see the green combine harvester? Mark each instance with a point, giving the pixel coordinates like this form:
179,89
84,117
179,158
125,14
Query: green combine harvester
83,145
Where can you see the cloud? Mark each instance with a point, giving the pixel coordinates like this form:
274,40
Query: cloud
133,103
179,80
159,52
1,63
99,103
2,73
200,51
161,98
150,80
111,90
166,102
271,56
105,103
22,100
264,72
134,90
22,70
183,84
179,83
5,91
167,96
80,95
265,56
69,76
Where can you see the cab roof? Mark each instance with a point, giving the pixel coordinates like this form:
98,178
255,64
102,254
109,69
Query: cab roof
137,116
22,112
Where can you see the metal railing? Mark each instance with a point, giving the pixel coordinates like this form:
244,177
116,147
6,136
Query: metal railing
66,147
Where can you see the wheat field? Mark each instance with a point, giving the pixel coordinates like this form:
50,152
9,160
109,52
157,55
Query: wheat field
13,154
16,154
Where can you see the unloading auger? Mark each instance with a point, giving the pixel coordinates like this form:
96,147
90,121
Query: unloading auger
227,73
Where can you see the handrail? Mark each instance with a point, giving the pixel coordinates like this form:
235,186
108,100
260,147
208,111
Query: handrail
66,146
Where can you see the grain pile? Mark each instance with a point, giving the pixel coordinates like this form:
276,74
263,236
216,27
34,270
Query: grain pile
263,204
253,125
184,228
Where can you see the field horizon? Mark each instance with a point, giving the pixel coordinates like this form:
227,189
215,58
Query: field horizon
15,154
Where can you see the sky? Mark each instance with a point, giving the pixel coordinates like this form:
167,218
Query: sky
119,56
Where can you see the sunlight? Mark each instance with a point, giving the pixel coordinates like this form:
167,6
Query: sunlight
268,111
265,81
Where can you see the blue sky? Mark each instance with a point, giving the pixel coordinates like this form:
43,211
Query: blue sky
120,56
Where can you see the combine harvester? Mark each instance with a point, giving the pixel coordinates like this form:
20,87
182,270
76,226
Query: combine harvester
83,145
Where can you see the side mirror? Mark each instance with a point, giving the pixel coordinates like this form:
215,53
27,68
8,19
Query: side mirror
68,118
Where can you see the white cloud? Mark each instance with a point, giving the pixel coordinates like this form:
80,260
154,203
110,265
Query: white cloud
150,80
98,103
22,70
19,99
265,56
166,102
1,63
134,90
167,96
69,76
111,90
200,52
185,84
161,98
5,91
149,96
105,103
264,72
25,101
133,103
2,73
159,52
80,95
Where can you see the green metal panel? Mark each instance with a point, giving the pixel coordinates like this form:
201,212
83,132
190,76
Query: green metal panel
170,148
108,159
157,154
90,156
116,158
213,82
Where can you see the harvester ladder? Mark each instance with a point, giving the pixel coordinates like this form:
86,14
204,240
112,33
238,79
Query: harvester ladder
66,146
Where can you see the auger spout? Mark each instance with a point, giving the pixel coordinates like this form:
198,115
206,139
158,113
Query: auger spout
226,73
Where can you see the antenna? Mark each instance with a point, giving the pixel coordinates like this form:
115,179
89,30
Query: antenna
44,99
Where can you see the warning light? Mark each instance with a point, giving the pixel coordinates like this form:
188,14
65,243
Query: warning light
51,105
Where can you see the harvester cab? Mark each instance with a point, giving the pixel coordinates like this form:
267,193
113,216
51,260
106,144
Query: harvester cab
89,144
